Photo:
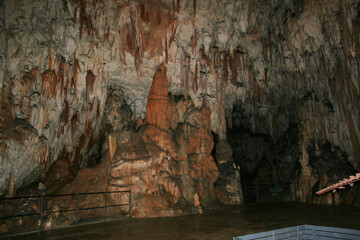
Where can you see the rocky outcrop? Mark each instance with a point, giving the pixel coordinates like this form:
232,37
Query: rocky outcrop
341,185
228,185
167,164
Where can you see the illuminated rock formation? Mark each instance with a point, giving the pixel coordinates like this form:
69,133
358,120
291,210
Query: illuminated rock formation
167,164
340,185
180,101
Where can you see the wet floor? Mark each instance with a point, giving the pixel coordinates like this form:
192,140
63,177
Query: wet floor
224,224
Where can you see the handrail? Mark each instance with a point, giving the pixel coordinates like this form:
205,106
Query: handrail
43,196
252,192
304,232
20,197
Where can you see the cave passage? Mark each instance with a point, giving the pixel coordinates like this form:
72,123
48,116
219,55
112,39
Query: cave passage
270,160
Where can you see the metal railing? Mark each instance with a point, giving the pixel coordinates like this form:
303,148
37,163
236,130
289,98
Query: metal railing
304,232
268,192
43,210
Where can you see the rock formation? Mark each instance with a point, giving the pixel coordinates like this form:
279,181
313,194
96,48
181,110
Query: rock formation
167,162
179,101
341,185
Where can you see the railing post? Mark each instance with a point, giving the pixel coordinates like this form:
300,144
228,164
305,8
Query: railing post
41,210
313,232
298,233
293,192
105,204
77,207
129,203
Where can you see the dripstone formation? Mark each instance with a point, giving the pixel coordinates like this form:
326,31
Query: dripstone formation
181,102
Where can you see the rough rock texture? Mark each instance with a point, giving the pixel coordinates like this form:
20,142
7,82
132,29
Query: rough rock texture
167,163
170,171
228,184
278,80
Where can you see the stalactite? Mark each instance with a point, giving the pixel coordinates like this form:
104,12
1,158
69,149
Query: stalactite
229,119
166,51
61,75
193,42
11,187
344,35
185,73
290,45
218,95
234,63
257,91
44,155
174,7
49,83
356,42
135,40
174,26
28,80
75,79
64,117
224,68
265,48
112,146
215,57
90,80
221,127
195,80
50,65
87,127
74,126
355,142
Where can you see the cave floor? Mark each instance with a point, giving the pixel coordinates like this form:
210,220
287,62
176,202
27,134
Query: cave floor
217,224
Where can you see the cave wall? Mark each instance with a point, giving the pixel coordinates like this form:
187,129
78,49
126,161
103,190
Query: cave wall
75,74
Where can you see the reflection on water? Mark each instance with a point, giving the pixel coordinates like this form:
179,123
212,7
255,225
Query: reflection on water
221,224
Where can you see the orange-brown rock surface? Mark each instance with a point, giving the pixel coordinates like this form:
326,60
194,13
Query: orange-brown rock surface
158,105
170,171
180,101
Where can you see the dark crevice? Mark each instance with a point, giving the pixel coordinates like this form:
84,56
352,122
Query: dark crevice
213,151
